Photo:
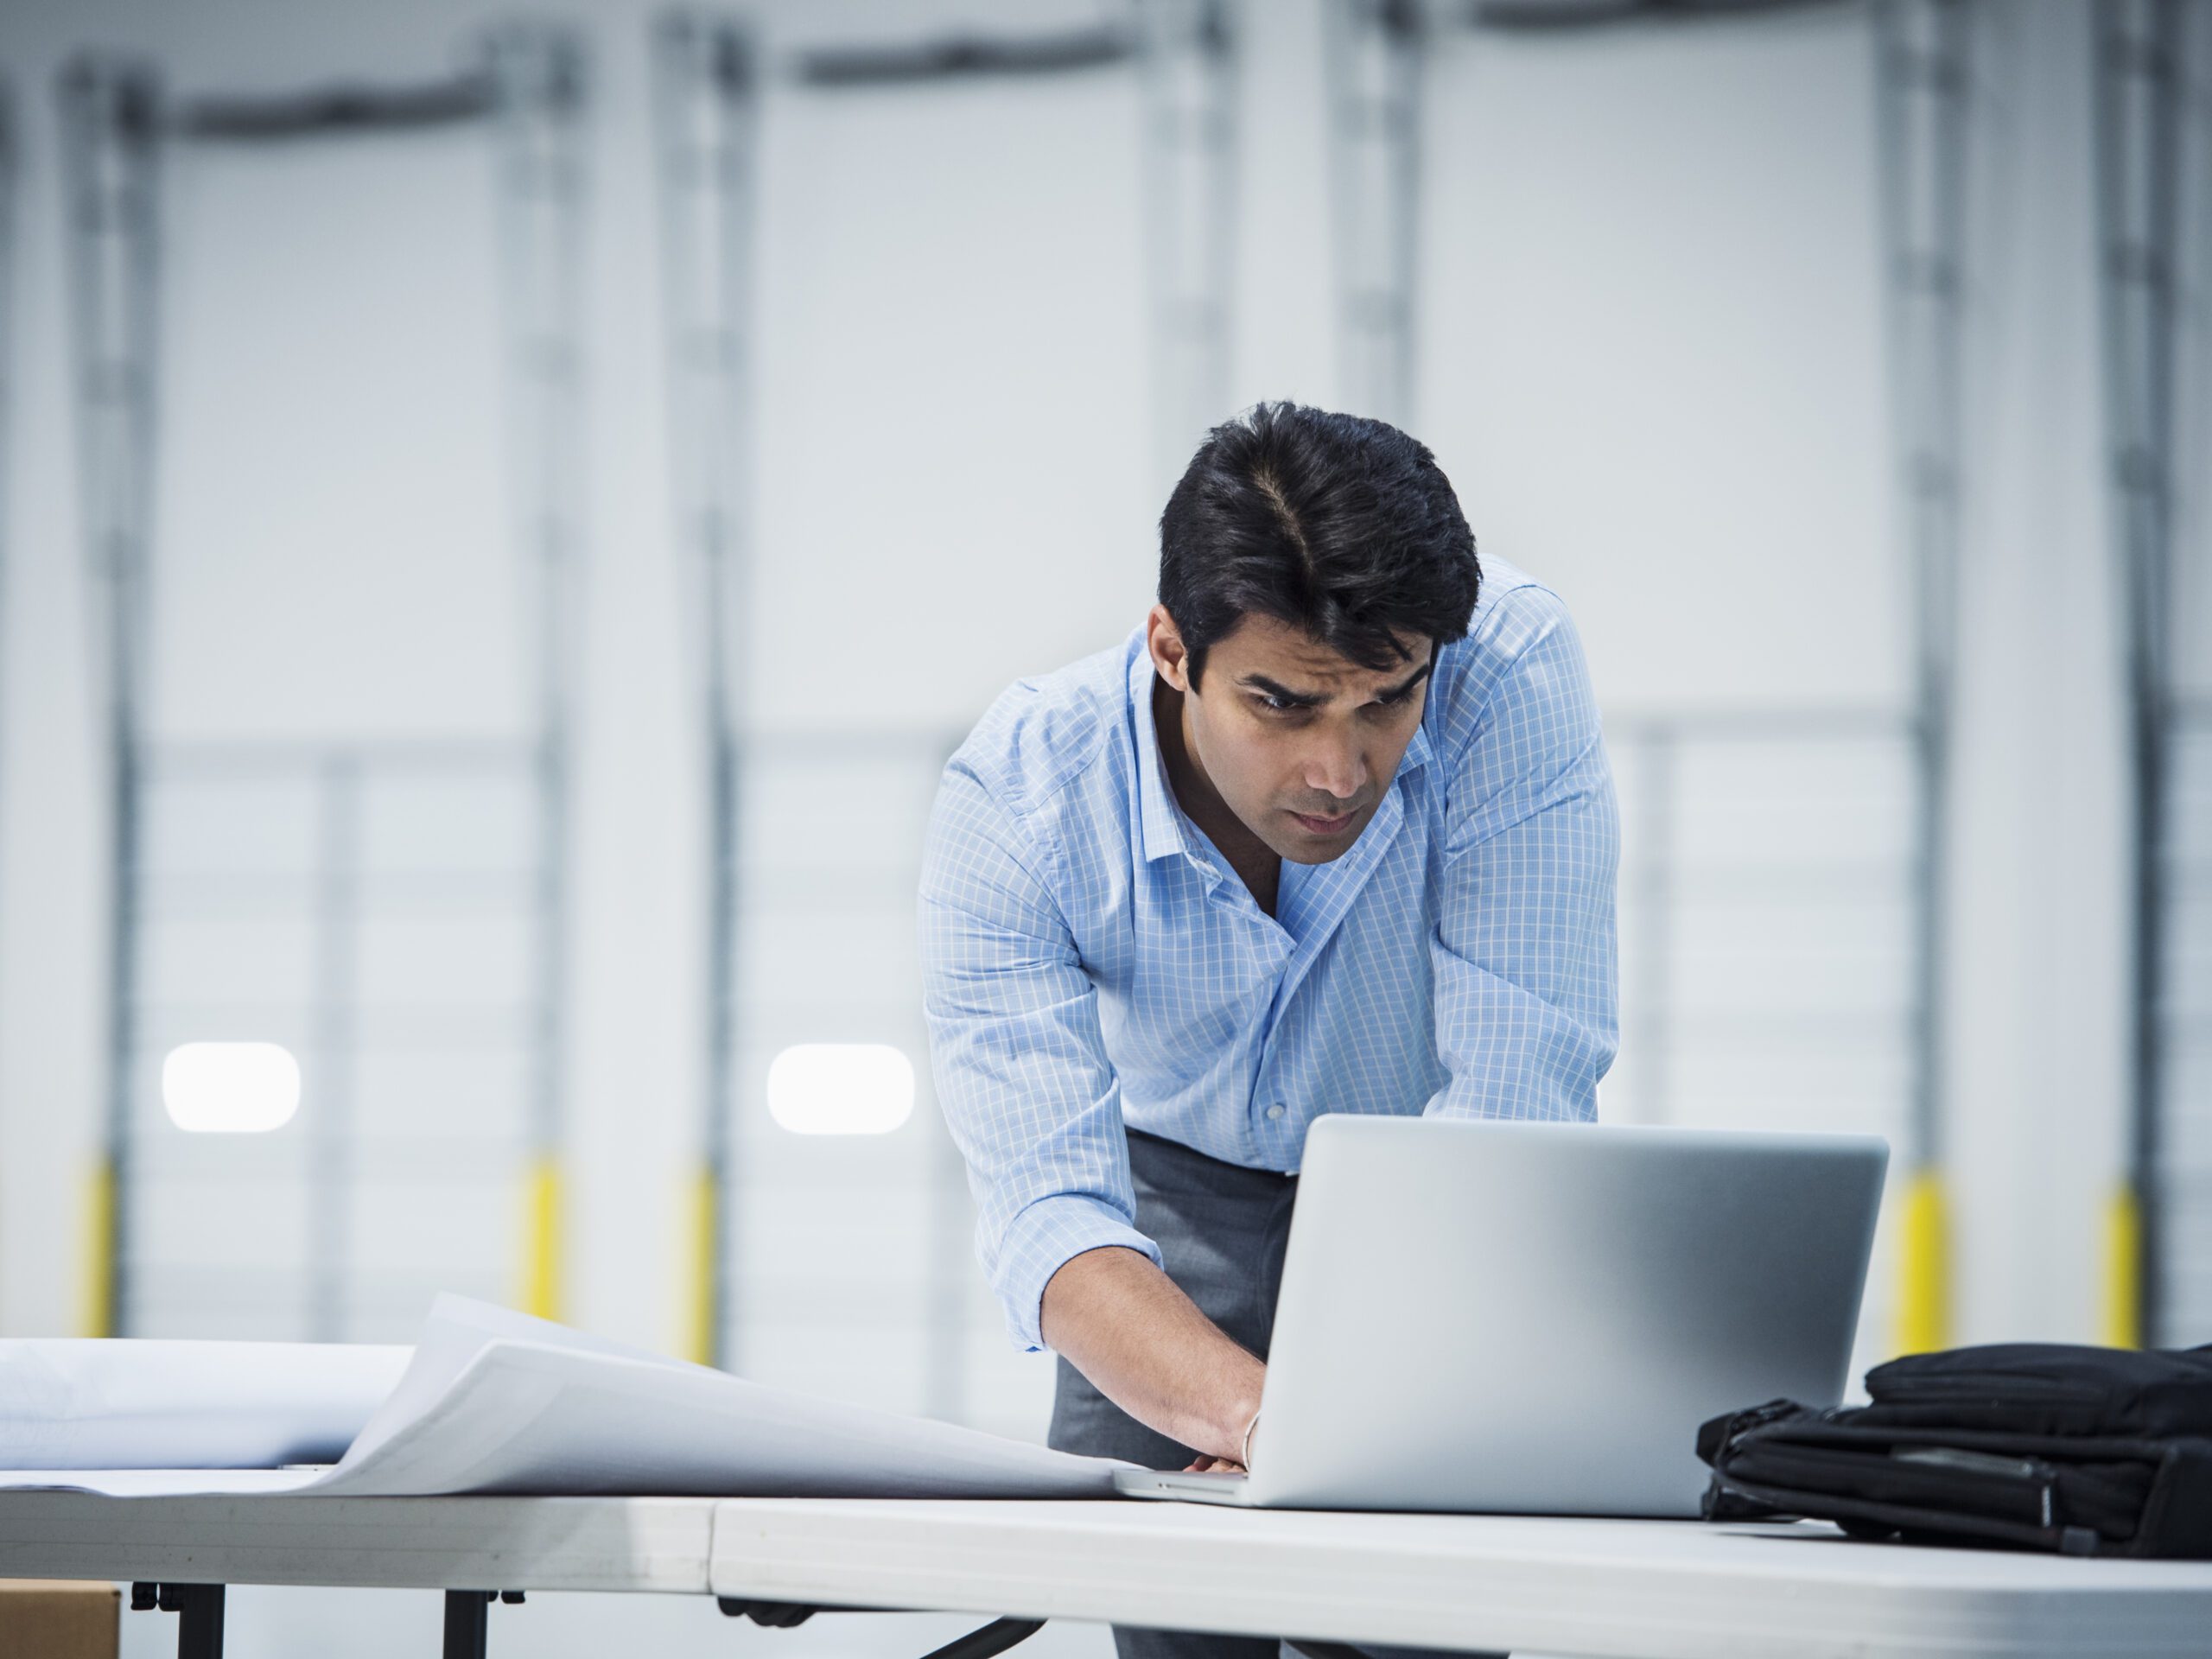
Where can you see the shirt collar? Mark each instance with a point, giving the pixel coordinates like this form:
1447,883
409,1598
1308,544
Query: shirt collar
1159,820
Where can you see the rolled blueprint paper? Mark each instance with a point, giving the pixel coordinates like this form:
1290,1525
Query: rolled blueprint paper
130,1403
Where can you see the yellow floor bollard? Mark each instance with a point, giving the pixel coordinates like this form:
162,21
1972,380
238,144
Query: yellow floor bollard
542,1287
99,1315
699,1311
1925,1258
2123,1288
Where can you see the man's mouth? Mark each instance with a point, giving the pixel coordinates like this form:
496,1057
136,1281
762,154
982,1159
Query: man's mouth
1315,826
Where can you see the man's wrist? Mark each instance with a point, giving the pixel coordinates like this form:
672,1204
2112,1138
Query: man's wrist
1234,1430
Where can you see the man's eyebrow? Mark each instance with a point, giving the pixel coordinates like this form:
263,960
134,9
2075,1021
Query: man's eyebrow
1315,699
1412,680
1283,693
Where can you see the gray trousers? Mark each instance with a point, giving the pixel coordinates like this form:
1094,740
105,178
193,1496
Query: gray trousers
1221,1231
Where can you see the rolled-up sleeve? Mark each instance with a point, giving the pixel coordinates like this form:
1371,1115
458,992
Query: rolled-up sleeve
1020,1065
1526,973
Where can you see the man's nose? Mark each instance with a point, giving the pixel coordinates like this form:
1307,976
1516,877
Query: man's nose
1336,767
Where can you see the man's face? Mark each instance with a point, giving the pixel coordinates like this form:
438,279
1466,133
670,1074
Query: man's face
1299,742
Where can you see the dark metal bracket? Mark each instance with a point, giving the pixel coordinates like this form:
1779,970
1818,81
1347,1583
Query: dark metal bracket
994,1637
198,1608
986,1643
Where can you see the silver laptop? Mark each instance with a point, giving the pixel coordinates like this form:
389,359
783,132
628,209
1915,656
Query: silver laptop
1534,1318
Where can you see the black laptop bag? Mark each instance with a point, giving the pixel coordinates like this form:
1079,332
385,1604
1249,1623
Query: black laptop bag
2035,1445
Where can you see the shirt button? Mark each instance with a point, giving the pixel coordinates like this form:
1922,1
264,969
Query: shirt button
1277,1110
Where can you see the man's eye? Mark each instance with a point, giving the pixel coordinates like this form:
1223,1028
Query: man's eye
1278,705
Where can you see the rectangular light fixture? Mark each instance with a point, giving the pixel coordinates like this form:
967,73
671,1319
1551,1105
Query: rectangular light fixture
841,1088
230,1088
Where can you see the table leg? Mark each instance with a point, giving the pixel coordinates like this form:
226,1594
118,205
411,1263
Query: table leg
199,1621
465,1622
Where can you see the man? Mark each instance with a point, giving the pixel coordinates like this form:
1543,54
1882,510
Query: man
1332,831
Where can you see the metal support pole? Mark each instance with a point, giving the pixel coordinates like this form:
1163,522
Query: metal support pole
1190,116
330,1210
9,174
1655,956
110,123
2138,112
537,74
704,91
1374,58
946,1395
1921,82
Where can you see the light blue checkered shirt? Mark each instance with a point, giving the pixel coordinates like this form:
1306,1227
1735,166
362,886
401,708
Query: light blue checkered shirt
1089,959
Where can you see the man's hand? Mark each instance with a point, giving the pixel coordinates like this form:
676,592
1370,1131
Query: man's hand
1214,1466
1143,1344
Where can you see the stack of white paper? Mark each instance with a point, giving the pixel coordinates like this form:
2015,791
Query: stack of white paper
493,1401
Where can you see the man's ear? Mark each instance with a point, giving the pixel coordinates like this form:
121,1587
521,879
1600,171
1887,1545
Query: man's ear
1169,658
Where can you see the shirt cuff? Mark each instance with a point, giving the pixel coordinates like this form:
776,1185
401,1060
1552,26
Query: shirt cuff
1041,1240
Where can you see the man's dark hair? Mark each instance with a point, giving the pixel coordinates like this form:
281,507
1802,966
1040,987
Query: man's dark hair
1342,526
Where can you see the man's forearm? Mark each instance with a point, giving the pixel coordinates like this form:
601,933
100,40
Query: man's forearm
1145,1345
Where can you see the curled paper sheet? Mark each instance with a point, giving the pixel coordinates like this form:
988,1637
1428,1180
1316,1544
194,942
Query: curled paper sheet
146,1403
497,1402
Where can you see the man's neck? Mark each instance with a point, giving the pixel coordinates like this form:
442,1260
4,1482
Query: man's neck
1255,863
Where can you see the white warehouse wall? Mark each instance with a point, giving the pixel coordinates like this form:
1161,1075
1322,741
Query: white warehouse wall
1651,358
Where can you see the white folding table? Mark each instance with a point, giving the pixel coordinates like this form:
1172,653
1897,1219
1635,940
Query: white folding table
1617,1589
1631,1589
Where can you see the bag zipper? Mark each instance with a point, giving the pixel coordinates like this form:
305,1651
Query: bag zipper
2042,1476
